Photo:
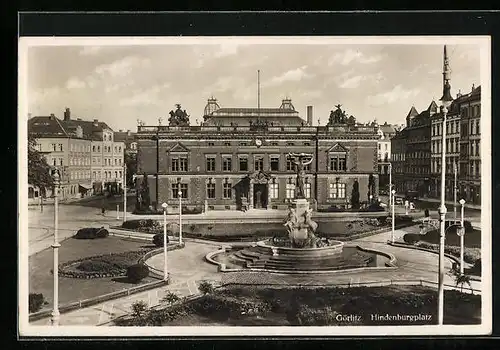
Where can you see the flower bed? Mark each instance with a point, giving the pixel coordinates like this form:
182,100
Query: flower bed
99,266
319,306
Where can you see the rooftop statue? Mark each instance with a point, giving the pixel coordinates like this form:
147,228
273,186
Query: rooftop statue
179,117
338,116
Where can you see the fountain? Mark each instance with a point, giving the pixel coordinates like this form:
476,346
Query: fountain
301,250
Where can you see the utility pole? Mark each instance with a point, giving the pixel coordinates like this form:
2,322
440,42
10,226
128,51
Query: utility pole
455,189
124,192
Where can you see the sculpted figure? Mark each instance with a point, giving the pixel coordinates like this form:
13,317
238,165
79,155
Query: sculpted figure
300,160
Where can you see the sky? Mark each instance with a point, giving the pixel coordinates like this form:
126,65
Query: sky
120,84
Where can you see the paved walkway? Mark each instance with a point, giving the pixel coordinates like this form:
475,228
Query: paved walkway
188,268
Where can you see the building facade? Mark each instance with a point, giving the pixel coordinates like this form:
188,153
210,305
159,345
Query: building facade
386,132
78,148
238,159
416,162
463,143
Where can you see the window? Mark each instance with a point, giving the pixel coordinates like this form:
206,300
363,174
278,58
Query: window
183,189
307,190
307,167
477,147
226,163
98,148
226,190
116,161
120,173
211,144
290,144
274,143
338,162
448,128
379,146
289,165
183,162
290,191
116,174
54,147
210,190
60,147
472,127
477,127
243,143
227,143
273,191
243,164
93,148
275,163
210,164
175,164
478,168
307,144
336,190
54,161
385,147
258,163
93,175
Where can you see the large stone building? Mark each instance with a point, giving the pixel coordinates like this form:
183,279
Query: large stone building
386,132
238,158
463,142
412,169
85,153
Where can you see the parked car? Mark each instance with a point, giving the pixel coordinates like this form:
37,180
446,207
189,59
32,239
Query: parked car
398,201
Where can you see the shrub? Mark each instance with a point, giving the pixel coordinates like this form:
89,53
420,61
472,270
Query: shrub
403,219
411,238
331,209
139,308
141,223
373,208
158,239
91,233
206,287
35,302
195,210
99,266
137,272
170,298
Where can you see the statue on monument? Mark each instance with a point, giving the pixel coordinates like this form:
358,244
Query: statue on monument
300,161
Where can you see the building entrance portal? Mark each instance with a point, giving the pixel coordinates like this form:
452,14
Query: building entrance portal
260,196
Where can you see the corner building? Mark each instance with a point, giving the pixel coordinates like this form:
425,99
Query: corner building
237,159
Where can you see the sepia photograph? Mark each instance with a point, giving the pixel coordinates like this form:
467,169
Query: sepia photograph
235,186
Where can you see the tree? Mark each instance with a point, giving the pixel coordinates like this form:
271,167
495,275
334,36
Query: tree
38,169
131,164
355,195
461,279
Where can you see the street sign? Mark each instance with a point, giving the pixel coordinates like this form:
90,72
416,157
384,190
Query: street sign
461,231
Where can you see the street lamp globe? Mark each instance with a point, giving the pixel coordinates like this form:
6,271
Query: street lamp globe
393,191
164,205
462,201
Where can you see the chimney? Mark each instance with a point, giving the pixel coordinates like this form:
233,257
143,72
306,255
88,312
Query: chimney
67,114
472,87
310,115
128,133
96,122
459,94
52,116
120,130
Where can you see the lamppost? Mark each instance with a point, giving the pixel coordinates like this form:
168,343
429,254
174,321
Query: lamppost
393,223
455,189
55,247
124,192
157,139
165,239
446,100
390,183
179,194
462,234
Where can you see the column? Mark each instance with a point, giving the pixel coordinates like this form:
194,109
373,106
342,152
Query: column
250,195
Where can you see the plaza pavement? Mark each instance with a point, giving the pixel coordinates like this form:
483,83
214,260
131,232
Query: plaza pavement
188,268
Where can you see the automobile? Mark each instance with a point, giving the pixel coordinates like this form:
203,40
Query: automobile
398,201
383,192
411,195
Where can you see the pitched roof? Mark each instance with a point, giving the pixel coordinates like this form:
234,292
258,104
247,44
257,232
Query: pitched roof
46,126
51,126
412,113
433,107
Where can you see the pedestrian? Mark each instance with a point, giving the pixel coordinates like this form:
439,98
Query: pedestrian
103,210
426,213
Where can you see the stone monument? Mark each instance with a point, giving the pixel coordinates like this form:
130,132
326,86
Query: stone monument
300,226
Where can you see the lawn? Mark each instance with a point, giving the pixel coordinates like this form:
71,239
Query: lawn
472,238
257,231
74,289
108,203
285,306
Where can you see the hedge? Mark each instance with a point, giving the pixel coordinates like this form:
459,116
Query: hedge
141,224
137,272
35,302
91,233
158,239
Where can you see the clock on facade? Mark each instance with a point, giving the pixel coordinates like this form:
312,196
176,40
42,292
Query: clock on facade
258,142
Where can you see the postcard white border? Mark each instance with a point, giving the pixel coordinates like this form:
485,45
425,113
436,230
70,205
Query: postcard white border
25,329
